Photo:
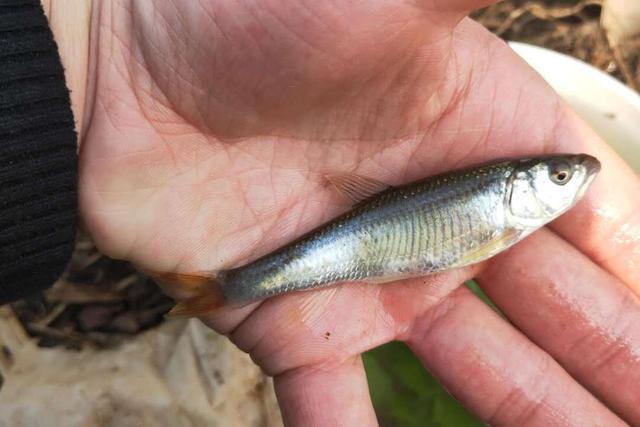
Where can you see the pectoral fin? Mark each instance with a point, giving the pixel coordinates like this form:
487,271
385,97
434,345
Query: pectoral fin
491,248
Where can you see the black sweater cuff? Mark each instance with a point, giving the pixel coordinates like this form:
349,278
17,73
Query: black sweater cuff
38,161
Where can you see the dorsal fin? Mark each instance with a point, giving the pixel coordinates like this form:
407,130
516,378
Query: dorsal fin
355,187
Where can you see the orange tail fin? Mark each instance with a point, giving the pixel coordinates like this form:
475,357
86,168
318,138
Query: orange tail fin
207,300
203,292
190,283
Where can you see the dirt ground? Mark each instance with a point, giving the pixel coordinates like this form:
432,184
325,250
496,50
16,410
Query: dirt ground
99,301
565,26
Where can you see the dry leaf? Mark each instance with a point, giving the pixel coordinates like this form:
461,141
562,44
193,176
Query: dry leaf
620,19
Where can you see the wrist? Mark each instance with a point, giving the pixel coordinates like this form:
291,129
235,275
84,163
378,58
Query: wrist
70,23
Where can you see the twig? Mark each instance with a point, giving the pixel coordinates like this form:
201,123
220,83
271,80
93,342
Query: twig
73,293
84,244
126,282
544,12
52,315
47,331
90,260
95,339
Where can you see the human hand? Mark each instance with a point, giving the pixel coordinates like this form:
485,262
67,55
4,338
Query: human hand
212,125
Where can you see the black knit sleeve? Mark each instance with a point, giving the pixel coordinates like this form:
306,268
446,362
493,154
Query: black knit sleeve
38,161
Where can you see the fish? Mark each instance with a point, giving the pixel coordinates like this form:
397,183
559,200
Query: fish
442,222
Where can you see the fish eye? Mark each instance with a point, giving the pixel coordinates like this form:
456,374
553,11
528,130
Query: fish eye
560,174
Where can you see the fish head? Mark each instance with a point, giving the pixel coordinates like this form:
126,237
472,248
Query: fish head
541,189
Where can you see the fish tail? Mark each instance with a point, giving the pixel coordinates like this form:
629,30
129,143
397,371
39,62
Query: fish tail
203,292
207,299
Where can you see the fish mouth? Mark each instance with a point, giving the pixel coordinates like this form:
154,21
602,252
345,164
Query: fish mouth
591,167
590,163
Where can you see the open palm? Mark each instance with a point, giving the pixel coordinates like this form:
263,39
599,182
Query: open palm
214,123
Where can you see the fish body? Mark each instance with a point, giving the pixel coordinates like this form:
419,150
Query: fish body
438,223
417,229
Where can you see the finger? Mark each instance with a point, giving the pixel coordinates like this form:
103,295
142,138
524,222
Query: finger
581,315
496,372
329,394
309,328
606,225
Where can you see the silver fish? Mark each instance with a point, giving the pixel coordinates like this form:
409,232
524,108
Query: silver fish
441,222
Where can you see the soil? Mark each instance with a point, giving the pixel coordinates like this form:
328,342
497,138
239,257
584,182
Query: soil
97,302
100,301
